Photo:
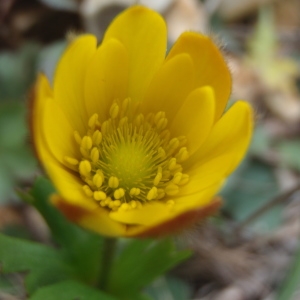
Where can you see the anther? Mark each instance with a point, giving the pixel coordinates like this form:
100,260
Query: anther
171,189
77,137
117,203
177,177
123,121
172,164
114,110
87,190
139,120
85,153
124,206
182,155
85,168
174,143
133,204
170,202
152,194
93,121
160,193
97,137
86,142
71,160
134,191
157,178
99,195
158,116
162,124
113,182
119,193
95,155
184,179
161,152
97,180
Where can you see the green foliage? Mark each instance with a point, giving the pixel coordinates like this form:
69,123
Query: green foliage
289,152
249,188
140,263
82,248
170,288
69,290
16,159
291,284
43,264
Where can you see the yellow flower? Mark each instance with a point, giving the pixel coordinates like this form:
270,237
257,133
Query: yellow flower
136,143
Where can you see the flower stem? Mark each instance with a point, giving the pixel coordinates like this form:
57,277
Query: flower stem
108,254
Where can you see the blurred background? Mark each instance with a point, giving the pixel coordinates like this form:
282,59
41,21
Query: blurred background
251,249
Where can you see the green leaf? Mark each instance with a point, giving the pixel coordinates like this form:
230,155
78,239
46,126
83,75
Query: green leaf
83,248
140,263
169,288
43,264
291,284
289,153
248,189
70,290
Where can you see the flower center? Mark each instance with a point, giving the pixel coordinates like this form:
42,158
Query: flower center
130,158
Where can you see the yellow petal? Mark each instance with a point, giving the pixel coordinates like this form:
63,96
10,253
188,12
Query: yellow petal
170,86
95,219
195,118
143,33
69,78
107,78
210,66
230,136
41,92
153,213
58,132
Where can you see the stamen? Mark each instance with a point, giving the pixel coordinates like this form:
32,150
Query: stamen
119,193
85,168
77,137
130,159
97,138
114,110
95,155
71,160
152,194
87,191
171,189
99,195
113,182
97,180
86,142
93,121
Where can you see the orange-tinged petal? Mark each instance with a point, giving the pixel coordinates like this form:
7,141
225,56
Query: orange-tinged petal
231,135
69,78
210,66
106,78
177,224
195,118
143,33
154,213
95,219
170,86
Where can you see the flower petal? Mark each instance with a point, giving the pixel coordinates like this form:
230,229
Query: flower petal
106,78
69,78
154,213
94,219
210,66
57,131
230,136
170,86
195,118
143,33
